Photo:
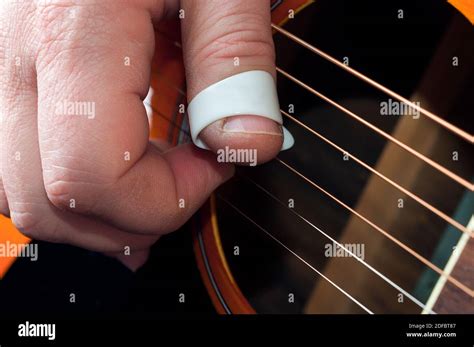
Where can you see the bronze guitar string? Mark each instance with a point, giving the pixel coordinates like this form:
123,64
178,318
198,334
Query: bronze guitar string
382,231
459,132
389,137
371,268
418,155
297,256
359,259
415,197
386,234
408,249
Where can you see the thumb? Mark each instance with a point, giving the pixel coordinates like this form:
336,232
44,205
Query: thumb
221,39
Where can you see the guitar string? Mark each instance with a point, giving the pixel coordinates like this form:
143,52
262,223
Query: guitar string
450,265
415,106
430,115
371,268
461,133
359,259
430,207
283,245
393,239
412,151
408,249
297,256
389,137
415,197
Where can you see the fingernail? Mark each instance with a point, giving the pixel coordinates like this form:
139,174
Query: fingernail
252,125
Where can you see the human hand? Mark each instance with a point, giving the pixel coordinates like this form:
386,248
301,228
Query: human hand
90,177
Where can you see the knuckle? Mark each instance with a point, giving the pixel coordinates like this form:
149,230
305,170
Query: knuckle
35,224
60,193
236,35
68,31
242,43
72,187
27,222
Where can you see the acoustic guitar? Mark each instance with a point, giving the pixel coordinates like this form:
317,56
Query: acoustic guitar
371,211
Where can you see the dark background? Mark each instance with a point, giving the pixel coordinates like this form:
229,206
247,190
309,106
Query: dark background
103,285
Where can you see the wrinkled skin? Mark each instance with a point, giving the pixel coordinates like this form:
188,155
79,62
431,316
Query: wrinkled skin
65,178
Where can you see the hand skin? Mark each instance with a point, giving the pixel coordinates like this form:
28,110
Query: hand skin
64,178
